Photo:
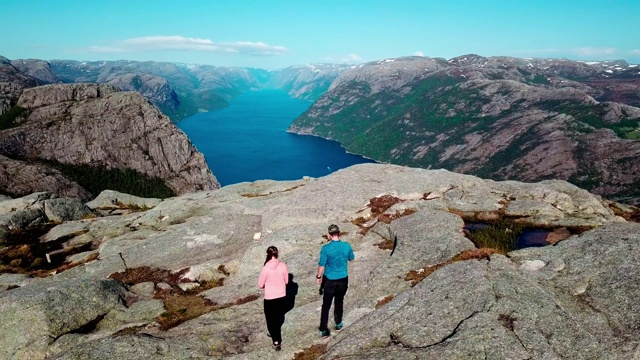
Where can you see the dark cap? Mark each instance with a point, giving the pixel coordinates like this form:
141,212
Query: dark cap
334,229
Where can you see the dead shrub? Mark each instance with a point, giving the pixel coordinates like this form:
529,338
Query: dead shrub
388,218
132,276
380,204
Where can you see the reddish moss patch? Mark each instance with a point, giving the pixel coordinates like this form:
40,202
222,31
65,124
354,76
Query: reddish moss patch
246,299
380,204
478,254
311,353
384,301
132,276
415,276
388,218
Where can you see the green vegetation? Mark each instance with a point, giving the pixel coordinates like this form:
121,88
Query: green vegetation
8,119
508,155
539,79
594,115
364,127
587,176
502,236
96,179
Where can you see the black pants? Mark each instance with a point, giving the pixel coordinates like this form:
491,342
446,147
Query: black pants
274,310
333,289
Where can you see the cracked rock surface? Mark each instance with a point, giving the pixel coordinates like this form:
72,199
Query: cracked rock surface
577,299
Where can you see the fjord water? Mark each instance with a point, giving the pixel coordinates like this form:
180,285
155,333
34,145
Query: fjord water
247,141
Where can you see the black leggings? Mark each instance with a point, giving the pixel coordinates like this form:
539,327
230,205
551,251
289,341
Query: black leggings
274,310
333,289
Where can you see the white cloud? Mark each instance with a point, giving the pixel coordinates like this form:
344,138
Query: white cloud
181,43
351,58
255,48
419,53
635,51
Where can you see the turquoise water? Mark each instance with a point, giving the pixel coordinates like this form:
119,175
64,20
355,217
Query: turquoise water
247,141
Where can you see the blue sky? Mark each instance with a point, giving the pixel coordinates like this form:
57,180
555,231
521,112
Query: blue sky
275,34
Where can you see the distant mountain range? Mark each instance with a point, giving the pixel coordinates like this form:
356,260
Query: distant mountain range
181,90
499,118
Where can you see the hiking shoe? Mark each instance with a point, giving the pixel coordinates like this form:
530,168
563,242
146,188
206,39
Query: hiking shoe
277,346
339,326
325,333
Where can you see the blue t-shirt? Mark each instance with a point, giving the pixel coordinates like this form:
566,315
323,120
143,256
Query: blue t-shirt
335,256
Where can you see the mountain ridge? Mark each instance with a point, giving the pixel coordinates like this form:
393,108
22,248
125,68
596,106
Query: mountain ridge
493,117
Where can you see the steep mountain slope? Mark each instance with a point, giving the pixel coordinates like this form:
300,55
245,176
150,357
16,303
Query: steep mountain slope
38,69
501,118
12,82
98,126
307,82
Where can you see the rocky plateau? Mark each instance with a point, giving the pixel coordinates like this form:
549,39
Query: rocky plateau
177,278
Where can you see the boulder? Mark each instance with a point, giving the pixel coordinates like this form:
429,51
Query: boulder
19,220
32,317
33,201
128,347
111,200
65,231
59,210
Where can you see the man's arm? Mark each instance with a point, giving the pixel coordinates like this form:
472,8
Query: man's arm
319,274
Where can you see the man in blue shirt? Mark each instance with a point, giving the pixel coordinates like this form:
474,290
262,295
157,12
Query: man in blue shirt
333,264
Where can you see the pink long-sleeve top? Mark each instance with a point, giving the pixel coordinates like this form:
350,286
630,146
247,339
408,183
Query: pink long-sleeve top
274,278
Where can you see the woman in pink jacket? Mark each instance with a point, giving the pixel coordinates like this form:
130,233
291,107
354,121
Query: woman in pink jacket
273,279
